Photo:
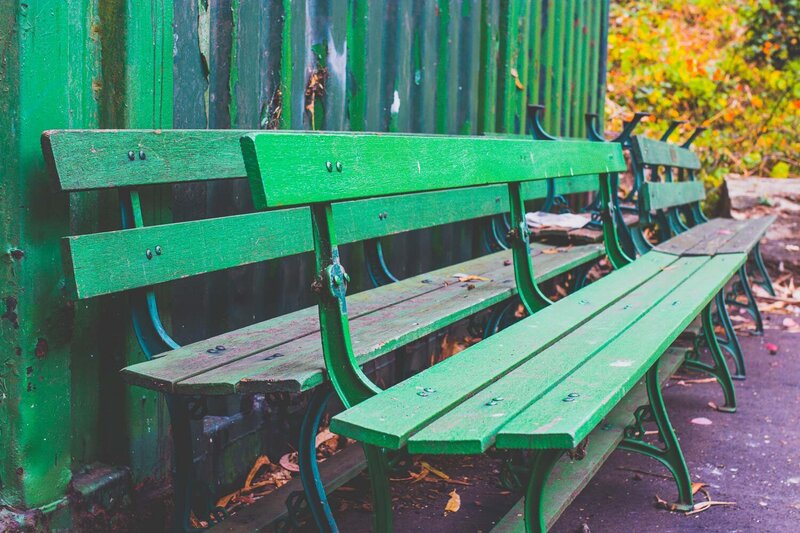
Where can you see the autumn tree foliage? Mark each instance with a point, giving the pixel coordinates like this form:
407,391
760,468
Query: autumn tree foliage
732,66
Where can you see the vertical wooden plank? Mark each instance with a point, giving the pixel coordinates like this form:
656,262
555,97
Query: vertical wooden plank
552,64
358,22
337,65
401,105
567,80
376,119
45,52
593,61
487,81
444,61
470,66
425,79
603,61
579,73
138,76
535,51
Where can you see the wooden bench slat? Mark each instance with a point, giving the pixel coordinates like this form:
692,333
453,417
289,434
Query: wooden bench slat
718,236
685,241
197,247
99,159
288,169
193,360
471,427
659,153
660,195
749,234
372,335
390,424
570,477
577,185
551,422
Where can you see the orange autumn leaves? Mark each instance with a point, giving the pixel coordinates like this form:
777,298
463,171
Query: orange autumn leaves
690,60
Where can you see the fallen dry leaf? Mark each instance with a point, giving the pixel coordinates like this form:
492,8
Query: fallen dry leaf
434,471
289,462
701,421
462,278
454,503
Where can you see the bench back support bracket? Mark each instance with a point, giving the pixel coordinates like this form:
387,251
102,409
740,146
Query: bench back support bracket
532,298
350,382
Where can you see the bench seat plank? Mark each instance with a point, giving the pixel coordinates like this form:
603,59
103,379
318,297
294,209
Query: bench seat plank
748,236
551,422
569,476
191,369
383,421
373,334
718,236
472,426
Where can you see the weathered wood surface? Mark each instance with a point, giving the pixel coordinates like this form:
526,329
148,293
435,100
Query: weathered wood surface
718,236
288,169
569,477
659,153
532,365
101,159
751,231
381,320
662,195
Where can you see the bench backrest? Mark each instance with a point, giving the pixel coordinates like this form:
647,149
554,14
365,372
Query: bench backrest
147,255
677,161
289,169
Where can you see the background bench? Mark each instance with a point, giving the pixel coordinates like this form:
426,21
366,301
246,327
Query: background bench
669,198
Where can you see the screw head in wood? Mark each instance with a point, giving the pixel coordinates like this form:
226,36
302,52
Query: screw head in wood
338,166
131,155
149,253
141,154
158,250
329,166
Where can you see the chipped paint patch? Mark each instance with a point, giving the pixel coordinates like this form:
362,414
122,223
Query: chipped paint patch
622,364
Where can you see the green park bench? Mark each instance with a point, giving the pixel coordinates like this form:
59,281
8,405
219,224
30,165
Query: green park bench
544,384
669,198
283,354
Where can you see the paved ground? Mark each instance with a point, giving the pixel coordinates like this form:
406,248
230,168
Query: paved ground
751,457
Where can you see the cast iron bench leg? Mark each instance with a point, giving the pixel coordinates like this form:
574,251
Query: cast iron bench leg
765,282
314,489
720,368
670,455
730,342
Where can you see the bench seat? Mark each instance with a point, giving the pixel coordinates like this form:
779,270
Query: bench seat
570,476
381,322
548,381
718,235
512,390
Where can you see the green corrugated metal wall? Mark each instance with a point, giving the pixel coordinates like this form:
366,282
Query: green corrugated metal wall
448,66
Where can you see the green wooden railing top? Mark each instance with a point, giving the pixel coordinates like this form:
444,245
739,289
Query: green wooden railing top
288,169
659,153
